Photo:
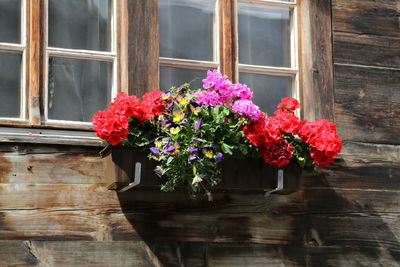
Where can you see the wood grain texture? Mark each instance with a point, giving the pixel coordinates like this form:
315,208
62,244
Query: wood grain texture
288,255
42,253
366,17
338,208
227,39
74,253
51,168
367,104
316,73
143,46
35,61
376,51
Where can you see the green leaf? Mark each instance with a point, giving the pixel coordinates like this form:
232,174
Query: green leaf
227,149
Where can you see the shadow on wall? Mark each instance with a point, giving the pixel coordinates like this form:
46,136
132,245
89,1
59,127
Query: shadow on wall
333,220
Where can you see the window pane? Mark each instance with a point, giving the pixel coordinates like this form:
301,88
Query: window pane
264,35
78,88
80,24
186,29
10,21
10,83
267,90
175,77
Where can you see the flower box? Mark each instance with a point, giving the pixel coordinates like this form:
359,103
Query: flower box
208,138
126,168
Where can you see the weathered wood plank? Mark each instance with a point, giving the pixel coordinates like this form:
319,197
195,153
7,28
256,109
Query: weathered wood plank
316,69
94,198
366,17
368,50
333,229
51,168
35,61
74,253
16,253
367,104
287,255
227,37
143,46
363,154
339,229
139,253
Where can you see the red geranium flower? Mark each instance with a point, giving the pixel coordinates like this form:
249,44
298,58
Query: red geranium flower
278,154
289,103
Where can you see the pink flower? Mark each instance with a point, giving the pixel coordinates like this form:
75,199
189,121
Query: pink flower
216,81
247,108
241,91
208,98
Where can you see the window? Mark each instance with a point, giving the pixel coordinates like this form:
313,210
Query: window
258,37
64,59
12,57
59,61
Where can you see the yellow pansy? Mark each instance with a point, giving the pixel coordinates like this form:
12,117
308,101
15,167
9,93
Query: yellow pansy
158,143
183,101
175,130
165,96
178,115
208,154
196,180
195,110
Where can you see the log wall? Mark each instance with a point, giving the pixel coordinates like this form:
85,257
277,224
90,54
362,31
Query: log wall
56,211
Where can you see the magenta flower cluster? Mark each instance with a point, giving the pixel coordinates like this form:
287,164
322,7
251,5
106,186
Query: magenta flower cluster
247,108
221,91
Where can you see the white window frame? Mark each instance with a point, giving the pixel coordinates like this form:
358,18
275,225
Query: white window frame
198,64
78,54
293,71
21,49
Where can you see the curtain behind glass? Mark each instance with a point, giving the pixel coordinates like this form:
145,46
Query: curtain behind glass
77,88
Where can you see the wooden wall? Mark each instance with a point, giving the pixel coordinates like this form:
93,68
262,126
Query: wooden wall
56,211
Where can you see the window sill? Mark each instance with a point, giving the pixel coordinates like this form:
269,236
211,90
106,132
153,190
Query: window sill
49,136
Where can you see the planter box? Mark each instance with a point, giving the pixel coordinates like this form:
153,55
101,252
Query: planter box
127,168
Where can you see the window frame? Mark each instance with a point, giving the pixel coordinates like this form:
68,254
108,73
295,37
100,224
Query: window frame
226,45
34,28
22,49
138,63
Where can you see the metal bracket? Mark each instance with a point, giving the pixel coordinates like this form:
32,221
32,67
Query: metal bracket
279,184
136,180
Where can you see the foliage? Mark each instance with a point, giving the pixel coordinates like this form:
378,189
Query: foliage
190,131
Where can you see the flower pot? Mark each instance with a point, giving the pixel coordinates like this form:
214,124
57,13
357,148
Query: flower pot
126,168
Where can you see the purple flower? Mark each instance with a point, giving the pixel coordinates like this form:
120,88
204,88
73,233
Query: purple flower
192,149
247,108
193,157
219,157
184,122
196,140
158,171
154,150
181,89
168,141
169,149
198,123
